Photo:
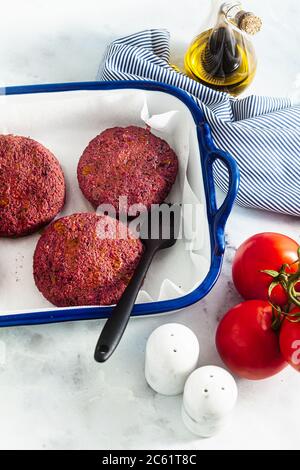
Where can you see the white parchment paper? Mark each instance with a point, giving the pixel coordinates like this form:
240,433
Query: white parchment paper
65,123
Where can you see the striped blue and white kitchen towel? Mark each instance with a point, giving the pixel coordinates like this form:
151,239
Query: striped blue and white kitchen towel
262,133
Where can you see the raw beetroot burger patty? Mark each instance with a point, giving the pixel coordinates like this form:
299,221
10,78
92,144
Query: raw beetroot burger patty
128,162
32,186
74,264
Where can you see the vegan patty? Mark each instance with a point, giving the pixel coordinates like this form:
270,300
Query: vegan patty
129,162
85,259
32,186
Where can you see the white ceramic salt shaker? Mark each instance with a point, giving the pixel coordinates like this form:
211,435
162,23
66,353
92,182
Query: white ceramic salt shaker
210,394
172,353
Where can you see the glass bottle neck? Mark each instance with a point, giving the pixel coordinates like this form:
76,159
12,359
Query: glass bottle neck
230,12
234,14
231,9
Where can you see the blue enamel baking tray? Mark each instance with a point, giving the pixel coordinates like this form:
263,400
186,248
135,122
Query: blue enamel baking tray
217,217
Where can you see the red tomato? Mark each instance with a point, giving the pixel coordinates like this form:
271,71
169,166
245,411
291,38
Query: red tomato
247,343
263,251
290,341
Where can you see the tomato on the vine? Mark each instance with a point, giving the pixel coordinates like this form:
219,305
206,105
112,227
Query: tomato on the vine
264,251
290,338
247,342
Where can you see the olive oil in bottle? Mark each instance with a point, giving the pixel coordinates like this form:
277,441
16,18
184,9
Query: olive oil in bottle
223,57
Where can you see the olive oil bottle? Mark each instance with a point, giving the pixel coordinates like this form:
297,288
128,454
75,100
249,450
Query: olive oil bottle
223,57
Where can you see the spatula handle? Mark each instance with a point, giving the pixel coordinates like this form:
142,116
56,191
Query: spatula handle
116,324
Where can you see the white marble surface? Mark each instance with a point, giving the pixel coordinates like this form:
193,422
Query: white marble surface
52,394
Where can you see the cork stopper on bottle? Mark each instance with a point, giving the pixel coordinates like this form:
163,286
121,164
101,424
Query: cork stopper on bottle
248,22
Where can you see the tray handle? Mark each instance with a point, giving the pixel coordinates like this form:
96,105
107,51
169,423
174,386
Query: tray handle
219,215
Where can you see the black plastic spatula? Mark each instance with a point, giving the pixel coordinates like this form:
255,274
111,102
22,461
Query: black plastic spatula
158,231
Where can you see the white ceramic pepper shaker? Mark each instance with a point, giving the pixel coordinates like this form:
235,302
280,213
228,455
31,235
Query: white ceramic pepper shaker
210,394
172,353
